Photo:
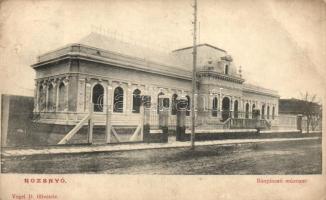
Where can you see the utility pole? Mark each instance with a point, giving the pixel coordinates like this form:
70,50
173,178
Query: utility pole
194,81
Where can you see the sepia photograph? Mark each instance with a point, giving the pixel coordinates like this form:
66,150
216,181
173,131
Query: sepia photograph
232,90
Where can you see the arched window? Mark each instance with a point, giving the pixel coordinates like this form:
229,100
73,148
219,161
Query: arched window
214,107
159,105
118,100
226,69
61,95
136,101
252,111
263,112
174,104
235,109
97,97
267,112
247,111
273,112
41,100
188,106
51,98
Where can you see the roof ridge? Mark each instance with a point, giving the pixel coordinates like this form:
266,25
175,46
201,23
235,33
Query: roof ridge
199,45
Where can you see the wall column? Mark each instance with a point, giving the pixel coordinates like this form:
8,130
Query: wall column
231,107
36,96
221,99
88,95
81,95
109,111
46,95
129,91
110,96
299,123
57,95
55,98
181,119
66,82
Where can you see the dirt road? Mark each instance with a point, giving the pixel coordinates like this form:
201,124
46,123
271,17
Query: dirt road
291,157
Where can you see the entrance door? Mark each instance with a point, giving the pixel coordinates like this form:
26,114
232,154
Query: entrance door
225,108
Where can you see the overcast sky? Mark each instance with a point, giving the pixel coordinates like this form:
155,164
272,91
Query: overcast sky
279,44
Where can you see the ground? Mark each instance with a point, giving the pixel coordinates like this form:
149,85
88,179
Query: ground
290,157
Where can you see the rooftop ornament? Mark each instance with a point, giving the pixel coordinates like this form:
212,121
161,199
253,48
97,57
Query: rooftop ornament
227,58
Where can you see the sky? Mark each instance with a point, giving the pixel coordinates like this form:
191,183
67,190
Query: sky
280,44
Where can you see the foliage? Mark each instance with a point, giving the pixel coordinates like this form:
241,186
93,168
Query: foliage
311,109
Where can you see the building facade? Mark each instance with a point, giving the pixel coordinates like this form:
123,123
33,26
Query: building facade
108,74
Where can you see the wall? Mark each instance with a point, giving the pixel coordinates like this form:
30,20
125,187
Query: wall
128,75
54,69
259,100
16,118
203,54
83,75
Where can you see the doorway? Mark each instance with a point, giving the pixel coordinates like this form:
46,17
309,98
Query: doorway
225,108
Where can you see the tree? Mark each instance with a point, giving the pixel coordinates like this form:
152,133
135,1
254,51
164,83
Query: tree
311,109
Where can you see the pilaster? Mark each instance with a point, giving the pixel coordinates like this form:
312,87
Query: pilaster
81,95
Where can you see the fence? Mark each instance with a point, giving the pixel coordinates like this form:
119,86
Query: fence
29,133
289,122
204,120
152,119
285,122
211,119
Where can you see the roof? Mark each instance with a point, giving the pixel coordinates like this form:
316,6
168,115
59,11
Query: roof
108,50
199,45
105,49
297,106
112,44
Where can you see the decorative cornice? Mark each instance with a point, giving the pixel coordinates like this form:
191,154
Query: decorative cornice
260,93
259,90
220,76
116,63
84,52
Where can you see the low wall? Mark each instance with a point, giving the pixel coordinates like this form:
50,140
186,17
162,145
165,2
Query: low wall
249,134
16,119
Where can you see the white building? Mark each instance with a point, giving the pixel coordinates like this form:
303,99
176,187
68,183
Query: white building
108,72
